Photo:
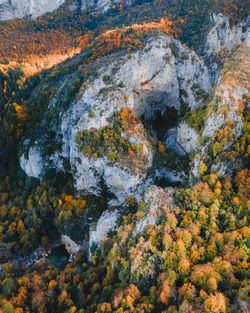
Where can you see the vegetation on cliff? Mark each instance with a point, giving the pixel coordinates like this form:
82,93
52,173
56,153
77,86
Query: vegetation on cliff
195,258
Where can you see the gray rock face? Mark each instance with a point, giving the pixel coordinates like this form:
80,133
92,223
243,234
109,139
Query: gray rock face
70,245
183,139
147,82
157,198
33,165
32,8
99,232
230,91
152,81
106,223
99,5
223,38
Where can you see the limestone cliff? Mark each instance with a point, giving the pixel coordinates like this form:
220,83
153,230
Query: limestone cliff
27,8
164,74
10,9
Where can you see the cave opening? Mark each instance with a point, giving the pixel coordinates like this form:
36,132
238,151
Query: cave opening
59,256
163,122
160,123
169,168
163,182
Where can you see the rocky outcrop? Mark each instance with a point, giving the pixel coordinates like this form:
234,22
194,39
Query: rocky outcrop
33,163
10,9
70,245
122,177
183,139
146,82
223,38
172,176
100,5
99,231
165,74
27,8
225,111
157,199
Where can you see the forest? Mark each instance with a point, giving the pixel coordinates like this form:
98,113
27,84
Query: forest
195,258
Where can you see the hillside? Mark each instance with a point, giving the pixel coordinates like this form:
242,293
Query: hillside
124,153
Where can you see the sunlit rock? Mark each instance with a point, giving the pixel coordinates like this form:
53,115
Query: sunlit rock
70,245
33,164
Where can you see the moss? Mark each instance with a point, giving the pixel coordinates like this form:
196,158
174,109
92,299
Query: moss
52,148
66,165
202,140
195,87
183,93
200,94
106,78
121,85
103,90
